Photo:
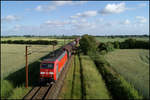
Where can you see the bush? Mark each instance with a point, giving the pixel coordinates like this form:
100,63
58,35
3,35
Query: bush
116,44
106,47
134,44
109,47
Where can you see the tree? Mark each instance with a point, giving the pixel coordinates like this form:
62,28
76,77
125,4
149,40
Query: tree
87,44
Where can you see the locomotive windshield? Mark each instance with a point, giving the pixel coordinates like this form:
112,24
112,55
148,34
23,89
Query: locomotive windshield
47,66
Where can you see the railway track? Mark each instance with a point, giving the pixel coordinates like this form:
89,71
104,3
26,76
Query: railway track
50,91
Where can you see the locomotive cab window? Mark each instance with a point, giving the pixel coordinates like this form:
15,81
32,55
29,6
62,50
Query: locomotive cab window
47,66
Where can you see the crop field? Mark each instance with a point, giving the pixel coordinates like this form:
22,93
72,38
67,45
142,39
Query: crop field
133,65
13,56
13,67
106,39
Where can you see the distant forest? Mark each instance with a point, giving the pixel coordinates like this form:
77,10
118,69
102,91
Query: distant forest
74,36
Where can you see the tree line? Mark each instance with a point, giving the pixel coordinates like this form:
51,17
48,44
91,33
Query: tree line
42,42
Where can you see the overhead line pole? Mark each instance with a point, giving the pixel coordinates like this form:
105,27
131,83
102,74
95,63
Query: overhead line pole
26,50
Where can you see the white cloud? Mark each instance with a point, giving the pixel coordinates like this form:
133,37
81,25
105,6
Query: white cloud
142,5
61,3
85,14
141,19
39,8
56,4
17,27
113,8
127,21
55,23
82,24
10,18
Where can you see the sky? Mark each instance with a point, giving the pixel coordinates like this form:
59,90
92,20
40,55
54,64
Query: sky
44,18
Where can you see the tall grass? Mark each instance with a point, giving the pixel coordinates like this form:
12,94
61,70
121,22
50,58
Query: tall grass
6,88
93,83
76,88
67,87
72,83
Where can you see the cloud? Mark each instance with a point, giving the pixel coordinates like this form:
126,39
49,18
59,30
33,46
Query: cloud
126,22
10,18
39,8
141,19
56,4
82,24
85,14
17,27
113,8
142,5
55,23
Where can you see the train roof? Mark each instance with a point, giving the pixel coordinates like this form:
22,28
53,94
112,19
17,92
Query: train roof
53,56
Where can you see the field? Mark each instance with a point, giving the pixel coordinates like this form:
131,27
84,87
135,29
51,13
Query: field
13,56
13,68
84,82
133,65
106,39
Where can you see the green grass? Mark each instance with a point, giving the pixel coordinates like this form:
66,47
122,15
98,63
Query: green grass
105,39
19,92
133,65
13,69
94,85
72,83
13,57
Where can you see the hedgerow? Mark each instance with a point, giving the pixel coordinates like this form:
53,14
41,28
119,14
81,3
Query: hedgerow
42,42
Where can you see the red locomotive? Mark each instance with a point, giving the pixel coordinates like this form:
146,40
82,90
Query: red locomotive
51,67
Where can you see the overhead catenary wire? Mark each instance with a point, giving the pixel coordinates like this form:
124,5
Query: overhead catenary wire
36,49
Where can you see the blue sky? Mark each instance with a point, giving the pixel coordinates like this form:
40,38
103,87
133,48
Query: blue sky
74,17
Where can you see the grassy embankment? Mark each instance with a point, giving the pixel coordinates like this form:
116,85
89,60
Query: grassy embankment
84,81
133,65
72,83
13,69
93,83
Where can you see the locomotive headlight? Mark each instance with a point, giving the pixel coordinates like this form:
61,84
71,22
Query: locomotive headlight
42,73
51,73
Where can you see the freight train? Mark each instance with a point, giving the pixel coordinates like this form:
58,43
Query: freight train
51,67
